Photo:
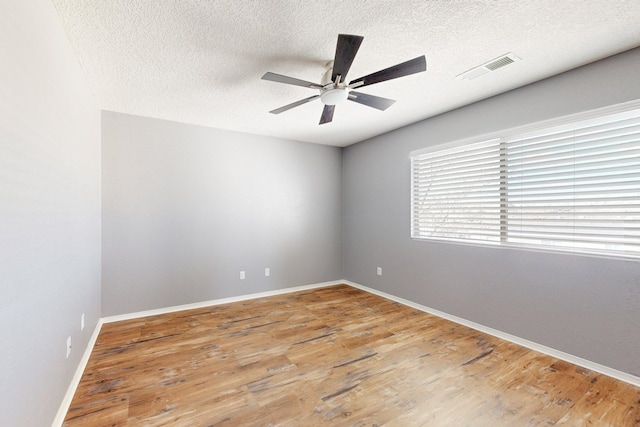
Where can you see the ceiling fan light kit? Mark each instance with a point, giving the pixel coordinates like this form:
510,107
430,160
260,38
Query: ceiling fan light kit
334,96
334,90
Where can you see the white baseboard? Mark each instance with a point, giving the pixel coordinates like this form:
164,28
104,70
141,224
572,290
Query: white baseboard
71,390
203,304
613,373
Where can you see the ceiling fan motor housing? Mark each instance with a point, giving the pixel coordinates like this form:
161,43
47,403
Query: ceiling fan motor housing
333,92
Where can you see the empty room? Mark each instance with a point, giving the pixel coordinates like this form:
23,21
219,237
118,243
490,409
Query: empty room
301,213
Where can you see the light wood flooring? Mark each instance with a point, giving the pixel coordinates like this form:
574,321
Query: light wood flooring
333,356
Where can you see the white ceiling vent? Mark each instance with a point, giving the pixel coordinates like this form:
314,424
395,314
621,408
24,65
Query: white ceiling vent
487,67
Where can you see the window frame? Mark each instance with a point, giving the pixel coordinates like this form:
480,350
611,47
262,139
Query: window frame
560,124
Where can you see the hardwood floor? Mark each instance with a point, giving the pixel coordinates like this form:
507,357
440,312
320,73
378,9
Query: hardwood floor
332,356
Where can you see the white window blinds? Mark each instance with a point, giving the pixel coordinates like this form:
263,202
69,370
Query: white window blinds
576,188
456,193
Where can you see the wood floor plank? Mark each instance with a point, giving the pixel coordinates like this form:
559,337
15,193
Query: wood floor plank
333,356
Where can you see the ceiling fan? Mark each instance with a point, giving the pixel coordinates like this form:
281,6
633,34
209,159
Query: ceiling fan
334,90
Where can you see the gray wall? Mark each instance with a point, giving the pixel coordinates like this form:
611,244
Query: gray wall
586,306
49,212
185,208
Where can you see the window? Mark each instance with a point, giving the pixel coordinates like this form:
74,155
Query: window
571,187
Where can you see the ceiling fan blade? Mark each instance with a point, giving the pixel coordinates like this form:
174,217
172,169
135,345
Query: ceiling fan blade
279,78
346,50
294,104
371,100
327,114
415,65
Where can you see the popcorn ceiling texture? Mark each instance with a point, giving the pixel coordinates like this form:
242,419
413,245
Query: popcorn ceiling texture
200,61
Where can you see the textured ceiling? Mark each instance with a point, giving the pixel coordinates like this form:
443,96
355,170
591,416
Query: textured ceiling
200,61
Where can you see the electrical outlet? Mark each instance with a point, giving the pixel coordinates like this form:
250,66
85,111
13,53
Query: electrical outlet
242,275
267,272
82,322
379,271
69,346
